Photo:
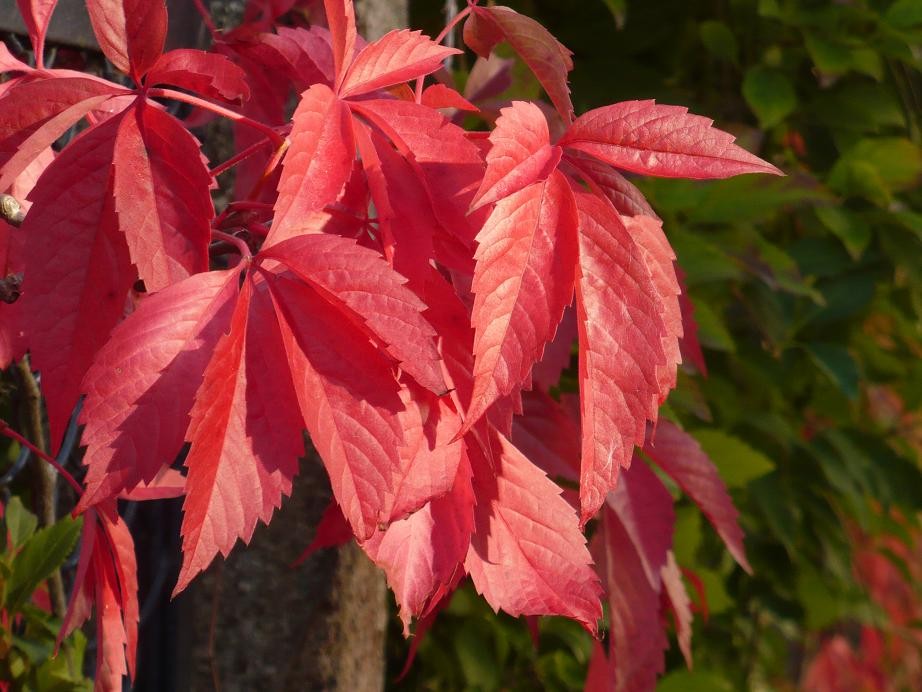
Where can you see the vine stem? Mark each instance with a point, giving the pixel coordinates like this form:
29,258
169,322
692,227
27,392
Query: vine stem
206,17
237,158
274,137
8,431
460,17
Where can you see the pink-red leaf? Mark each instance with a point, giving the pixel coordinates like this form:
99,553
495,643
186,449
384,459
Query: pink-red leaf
520,153
668,141
208,74
524,277
162,196
77,272
37,15
131,33
143,382
545,56
396,57
527,555
341,19
34,114
677,596
245,433
441,96
349,401
660,259
548,436
364,287
680,456
609,183
620,333
689,345
318,162
422,554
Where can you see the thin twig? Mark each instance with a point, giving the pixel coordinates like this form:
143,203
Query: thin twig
46,477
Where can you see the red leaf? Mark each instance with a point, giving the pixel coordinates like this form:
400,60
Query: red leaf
162,196
521,153
77,272
8,63
422,554
209,74
304,54
621,352
143,382
348,399
395,58
643,505
558,353
167,484
645,137
545,56
689,344
318,162
606,182
37,15
341,19
660,258
680,456
332,531
131,33
677,596
35,114
527,555
441,96
245,433
365,289
636,638
526,261
548,436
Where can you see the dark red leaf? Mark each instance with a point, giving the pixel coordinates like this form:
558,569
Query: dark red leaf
131,33
208,74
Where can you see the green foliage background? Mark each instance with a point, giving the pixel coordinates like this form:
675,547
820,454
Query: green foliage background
808,295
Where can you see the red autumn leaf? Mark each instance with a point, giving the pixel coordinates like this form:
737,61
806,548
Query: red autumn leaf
37,15
527,555
621,328
208,74
422,554
545,56
162,196
332,530
441,96
396,57
318,162
245,433
636,637
681,457
668,141
679,603
34,114
558,353
606,182
341,19
352,420
364,287
520,153
548,436
143,382
689,344
9,63
643,506
660,259
305,54
524,278
131,33
77,272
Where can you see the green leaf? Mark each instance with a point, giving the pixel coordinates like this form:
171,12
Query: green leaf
711,330
737,462
719,40
780,510
694,681
618,9
838,365
904,14
41,555
828,56
20,522
848,227
896,161
770,95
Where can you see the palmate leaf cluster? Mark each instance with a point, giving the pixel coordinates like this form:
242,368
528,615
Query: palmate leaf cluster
808,298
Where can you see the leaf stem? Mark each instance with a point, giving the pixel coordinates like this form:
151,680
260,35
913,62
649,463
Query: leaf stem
274,137
242,247
461,16
238,157
7,431
206,17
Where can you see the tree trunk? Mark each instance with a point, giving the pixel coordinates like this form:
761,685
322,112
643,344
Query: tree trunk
256,623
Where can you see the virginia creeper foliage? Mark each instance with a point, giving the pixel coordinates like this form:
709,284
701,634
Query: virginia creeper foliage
403,289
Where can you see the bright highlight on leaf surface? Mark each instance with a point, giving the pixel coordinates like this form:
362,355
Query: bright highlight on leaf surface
403,290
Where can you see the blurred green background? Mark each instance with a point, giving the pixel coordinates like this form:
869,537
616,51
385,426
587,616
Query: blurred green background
808,295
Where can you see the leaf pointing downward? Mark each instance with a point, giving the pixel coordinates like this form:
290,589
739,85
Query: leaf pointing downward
523,281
